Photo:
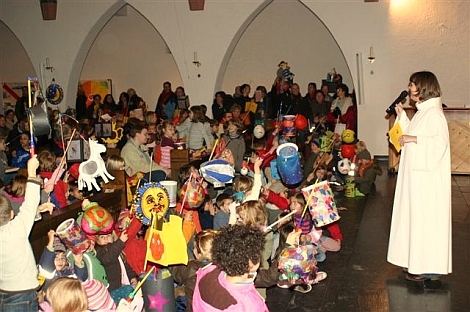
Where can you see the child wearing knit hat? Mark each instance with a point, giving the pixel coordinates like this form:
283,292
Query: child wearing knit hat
98,296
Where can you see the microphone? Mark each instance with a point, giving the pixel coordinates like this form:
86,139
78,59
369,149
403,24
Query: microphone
391,108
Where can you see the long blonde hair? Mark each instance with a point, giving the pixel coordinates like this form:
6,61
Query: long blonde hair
67,294
253,213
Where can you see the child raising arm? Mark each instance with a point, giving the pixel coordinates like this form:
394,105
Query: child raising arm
18,287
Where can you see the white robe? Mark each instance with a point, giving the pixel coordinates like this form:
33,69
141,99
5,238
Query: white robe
421,229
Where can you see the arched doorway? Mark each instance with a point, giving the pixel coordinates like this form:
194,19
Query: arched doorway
284,31
15,72
128,50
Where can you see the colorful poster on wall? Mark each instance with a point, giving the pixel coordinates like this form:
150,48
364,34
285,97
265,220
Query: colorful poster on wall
11,92
96,86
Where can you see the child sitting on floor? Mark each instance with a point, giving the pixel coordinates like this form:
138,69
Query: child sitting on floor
367,171
309,231
297,263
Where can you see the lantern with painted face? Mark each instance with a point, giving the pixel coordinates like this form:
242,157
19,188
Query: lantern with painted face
151,197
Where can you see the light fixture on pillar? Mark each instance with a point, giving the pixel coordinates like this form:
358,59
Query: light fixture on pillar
48,65
196,5
48,9
371,57
195,60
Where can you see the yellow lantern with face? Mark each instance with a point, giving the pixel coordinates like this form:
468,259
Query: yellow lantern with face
150,198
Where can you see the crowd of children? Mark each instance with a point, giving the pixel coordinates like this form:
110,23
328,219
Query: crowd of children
235,253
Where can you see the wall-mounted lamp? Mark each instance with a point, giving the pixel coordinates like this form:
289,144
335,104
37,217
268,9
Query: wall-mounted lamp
371,57
48,65
195,60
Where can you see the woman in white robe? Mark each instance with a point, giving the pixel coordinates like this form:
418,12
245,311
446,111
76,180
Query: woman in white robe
421,228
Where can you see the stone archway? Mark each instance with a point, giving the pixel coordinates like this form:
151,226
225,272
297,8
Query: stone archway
270,35
129,60
12,72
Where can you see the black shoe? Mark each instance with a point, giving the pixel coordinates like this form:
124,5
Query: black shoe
433,284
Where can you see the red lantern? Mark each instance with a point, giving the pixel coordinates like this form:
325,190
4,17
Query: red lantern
348,150
300,122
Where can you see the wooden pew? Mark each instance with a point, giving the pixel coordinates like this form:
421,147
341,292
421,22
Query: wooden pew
119,183
38,236
179,158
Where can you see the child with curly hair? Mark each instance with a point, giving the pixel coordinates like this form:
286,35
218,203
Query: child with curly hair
228,286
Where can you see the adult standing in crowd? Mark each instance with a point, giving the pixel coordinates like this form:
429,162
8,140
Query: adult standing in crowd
166,103
421,229
343,109
218,107
20,107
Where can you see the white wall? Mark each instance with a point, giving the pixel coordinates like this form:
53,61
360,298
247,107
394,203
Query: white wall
289,31
421,35
132,53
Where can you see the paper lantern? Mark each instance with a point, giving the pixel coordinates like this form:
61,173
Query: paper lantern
348,136
344,165
150,198
258,131
96,220
301,122
193,198
347,150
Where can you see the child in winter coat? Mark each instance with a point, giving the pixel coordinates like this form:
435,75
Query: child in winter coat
185,275
54,263
120,274
367,171
21,155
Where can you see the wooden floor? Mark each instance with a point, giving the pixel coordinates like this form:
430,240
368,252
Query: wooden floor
360,278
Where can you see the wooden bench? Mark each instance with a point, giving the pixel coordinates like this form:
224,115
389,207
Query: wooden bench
119,183
179,158
38,236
